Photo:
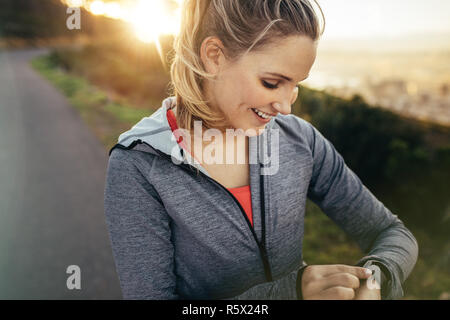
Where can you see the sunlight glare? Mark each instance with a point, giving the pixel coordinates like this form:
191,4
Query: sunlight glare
74,3
97,7
150,20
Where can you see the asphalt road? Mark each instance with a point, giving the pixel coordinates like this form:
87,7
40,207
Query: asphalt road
52,175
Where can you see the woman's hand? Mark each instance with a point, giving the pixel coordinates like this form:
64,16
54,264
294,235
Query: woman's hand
334,282
368,290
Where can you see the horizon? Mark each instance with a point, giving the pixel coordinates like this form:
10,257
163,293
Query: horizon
384,18
399,43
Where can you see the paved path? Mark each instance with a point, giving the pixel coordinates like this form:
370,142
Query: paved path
52,175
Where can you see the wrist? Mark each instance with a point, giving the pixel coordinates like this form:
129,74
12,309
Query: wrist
378,279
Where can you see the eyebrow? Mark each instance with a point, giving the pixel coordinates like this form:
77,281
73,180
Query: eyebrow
284,77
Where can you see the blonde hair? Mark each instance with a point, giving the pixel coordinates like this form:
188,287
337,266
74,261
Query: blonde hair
243,26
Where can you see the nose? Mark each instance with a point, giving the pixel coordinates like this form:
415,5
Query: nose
284,105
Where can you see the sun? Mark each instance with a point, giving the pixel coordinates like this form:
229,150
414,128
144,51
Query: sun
149,18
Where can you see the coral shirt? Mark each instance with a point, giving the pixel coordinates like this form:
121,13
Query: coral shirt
242,194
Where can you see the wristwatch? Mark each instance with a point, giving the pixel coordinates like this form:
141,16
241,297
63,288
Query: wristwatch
380,274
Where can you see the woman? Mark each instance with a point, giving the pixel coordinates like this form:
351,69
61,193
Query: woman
191,217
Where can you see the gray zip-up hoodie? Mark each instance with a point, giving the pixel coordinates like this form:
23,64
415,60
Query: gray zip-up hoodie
176,233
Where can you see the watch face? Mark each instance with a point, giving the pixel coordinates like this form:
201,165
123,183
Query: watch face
374,281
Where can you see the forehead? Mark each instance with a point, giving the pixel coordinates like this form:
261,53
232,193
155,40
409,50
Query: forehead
292,57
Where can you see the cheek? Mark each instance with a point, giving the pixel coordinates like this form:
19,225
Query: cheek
241,93
252,94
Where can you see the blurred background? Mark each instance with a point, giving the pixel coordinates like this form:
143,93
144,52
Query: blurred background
70,84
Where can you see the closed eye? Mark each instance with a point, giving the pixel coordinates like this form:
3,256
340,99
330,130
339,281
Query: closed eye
269,86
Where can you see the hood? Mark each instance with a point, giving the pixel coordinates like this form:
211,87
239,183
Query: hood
153,133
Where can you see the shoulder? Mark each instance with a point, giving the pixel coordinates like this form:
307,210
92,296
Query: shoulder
130,172
131,161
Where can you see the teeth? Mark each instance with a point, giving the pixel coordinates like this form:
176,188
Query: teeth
261,114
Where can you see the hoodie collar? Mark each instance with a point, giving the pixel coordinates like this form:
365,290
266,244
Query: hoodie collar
155,131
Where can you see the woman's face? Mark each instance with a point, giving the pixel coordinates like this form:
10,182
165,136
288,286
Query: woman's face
265,80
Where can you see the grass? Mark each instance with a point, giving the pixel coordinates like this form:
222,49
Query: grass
324,242
126,114
104,116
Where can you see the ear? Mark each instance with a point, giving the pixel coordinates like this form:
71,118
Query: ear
211,53
294,95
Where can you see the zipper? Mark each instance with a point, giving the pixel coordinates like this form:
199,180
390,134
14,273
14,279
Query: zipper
263,228
261,245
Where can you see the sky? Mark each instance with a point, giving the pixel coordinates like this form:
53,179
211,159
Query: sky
345,19
384,18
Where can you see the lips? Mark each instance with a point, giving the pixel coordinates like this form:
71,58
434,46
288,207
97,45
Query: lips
261,119
262,114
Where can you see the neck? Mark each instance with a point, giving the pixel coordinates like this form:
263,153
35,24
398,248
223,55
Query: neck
234,148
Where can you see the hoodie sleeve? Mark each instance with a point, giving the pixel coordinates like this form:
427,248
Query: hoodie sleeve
381,235
136,219
284,288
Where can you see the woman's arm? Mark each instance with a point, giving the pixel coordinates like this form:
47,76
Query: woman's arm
139,232
287,287
337,190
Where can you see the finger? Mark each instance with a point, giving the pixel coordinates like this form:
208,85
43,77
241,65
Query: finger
360,272
335,293
347,280
341,279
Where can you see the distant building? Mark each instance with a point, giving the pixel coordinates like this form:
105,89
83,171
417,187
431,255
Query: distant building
444,90
424,97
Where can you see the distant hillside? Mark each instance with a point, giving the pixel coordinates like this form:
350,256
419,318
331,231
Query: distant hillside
406,161
407,43
28,19
32,18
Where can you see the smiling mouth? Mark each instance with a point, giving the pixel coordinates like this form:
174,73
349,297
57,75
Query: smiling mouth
261,114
